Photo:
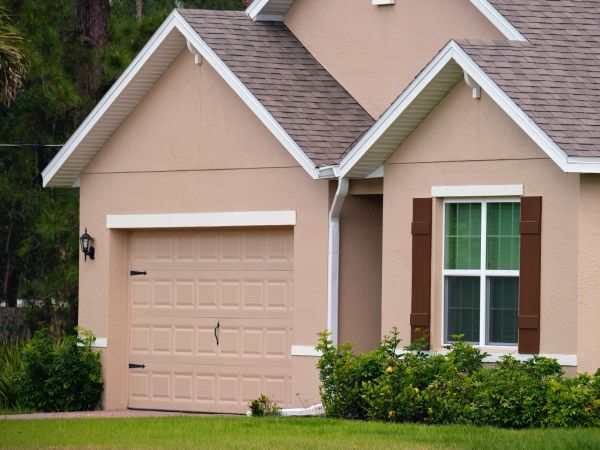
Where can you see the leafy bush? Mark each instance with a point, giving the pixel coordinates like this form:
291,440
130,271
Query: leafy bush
263,406
11,364
343,374
58,375
453,388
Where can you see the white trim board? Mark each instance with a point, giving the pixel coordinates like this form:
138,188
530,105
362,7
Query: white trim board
99,343
498,20
508,190
305,350
202,220
568,360
174,22
452,52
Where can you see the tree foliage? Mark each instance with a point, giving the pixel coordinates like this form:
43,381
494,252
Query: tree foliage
72,64
13,62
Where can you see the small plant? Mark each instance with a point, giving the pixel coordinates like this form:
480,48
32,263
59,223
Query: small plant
263,406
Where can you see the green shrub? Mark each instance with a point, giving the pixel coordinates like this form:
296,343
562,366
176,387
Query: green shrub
11,364
62,375
263,406
454,388
343,374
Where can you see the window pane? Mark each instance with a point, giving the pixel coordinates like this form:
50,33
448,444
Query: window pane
503,236
463,236
503,301
462,308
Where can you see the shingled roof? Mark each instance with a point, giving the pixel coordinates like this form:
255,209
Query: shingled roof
312,107
555,76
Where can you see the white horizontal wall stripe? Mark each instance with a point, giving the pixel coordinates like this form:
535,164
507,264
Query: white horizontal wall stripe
305,350
568,360
506,190
99,343
563,360
202,220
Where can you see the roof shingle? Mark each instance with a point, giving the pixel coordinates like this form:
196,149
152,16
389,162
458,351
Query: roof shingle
312,107
555,76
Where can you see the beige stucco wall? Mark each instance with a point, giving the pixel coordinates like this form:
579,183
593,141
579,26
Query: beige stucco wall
588,310
360,271
375,51
191,145
472,142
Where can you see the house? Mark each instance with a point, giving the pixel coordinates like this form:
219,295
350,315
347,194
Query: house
257,177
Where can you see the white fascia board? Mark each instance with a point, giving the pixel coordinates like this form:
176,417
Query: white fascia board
305,350
254,8
510,107
202,220
569,360
453,51
175,20
247,97
498,20
506,190
70,146
393,112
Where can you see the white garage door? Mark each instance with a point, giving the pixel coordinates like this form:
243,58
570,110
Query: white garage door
211,318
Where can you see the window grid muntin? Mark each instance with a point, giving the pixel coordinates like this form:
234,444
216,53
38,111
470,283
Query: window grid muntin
482,272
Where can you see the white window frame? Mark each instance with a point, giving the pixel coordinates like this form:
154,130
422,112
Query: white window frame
483,273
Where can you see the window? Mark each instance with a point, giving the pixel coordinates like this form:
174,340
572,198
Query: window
481,271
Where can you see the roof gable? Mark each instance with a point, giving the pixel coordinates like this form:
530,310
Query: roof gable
316,111
423,95
313,108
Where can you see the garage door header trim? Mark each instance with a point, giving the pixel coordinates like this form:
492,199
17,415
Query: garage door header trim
202,220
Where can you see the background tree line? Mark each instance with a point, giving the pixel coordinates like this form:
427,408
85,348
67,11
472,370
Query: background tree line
73,50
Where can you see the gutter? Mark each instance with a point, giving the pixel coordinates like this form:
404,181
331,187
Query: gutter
333,260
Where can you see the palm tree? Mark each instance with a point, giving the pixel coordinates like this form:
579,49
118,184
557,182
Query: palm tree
13,62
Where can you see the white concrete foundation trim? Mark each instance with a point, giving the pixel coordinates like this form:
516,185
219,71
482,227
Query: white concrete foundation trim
507,190
100,343
563,359
305,350
202,220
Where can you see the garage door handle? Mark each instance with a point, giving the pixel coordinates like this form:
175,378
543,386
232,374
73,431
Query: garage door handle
217,332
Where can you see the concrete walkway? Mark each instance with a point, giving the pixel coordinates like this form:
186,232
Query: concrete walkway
89,414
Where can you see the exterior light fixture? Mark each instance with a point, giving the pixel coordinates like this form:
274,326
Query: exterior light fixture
86,245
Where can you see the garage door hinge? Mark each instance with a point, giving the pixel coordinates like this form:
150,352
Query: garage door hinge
136,366
137,272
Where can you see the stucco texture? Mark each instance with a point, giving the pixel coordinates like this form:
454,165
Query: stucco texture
191,145
472,142
376,51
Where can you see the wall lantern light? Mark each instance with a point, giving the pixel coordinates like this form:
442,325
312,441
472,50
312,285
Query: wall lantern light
86,245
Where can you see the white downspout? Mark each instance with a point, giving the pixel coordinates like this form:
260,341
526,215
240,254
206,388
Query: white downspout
333,263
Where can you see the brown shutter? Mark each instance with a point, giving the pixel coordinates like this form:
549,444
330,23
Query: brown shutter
529,280
420,314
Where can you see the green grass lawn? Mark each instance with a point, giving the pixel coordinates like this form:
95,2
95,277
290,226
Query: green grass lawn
247,433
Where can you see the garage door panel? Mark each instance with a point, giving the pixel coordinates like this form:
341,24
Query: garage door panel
240,279
250,248
187,337
213,290
199,389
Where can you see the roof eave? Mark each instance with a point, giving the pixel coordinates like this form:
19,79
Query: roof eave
376,146
174,22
